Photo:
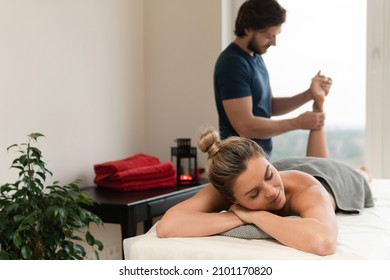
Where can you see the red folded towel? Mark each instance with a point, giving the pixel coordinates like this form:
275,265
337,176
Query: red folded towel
140,185
110,168
138,172
146,173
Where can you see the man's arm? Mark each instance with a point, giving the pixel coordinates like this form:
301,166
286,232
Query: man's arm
284,105
239,112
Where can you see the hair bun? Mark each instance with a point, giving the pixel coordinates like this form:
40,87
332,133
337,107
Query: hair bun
209,141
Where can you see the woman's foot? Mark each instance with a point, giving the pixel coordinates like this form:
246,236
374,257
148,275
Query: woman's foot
319,88
366,172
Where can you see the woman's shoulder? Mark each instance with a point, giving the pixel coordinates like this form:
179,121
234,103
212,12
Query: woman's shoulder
299,186
296,182
209,199
293,179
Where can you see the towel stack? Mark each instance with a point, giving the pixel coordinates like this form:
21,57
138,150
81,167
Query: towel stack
138,172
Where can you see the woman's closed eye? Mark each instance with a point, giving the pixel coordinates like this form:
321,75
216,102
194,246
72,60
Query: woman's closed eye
254,194
269,174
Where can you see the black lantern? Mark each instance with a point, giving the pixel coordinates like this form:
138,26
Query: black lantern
184,156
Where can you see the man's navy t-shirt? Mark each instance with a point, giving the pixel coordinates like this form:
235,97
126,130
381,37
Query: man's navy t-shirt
238,74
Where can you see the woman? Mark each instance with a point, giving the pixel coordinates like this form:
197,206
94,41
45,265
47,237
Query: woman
254,191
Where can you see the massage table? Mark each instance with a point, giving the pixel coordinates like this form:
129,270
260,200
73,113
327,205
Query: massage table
361,236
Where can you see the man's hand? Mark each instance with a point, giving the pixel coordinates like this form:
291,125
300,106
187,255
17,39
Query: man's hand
310,120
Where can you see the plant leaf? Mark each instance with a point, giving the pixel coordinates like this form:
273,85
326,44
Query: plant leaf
17,240
99,244
35,135
89,238
10,147
26,253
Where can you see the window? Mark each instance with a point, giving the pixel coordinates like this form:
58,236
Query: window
331,37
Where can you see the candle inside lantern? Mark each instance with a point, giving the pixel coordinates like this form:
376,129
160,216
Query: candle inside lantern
185,177
185,158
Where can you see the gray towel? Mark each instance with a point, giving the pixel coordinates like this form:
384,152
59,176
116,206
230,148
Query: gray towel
349,188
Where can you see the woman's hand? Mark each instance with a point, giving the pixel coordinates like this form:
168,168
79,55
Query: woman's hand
243,213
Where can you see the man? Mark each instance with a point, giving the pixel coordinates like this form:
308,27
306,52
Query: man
243,96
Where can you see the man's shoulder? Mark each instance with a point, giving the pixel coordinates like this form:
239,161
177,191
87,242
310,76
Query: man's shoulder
231,58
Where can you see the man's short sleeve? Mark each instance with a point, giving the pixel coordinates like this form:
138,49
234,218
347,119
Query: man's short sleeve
233,78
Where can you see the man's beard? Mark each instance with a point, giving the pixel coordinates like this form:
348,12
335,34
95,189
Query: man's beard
256,49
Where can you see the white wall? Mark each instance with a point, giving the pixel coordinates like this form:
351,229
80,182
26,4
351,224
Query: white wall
74,71
182,42
105,79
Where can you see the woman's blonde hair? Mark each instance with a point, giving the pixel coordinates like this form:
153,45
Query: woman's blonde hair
226,159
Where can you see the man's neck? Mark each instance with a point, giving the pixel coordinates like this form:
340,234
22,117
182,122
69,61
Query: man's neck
243,44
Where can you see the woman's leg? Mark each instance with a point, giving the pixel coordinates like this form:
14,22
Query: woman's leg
317,146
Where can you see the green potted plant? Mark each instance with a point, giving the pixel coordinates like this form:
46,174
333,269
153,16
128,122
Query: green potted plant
39,221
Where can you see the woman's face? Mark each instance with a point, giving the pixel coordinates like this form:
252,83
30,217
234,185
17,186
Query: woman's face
259,187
